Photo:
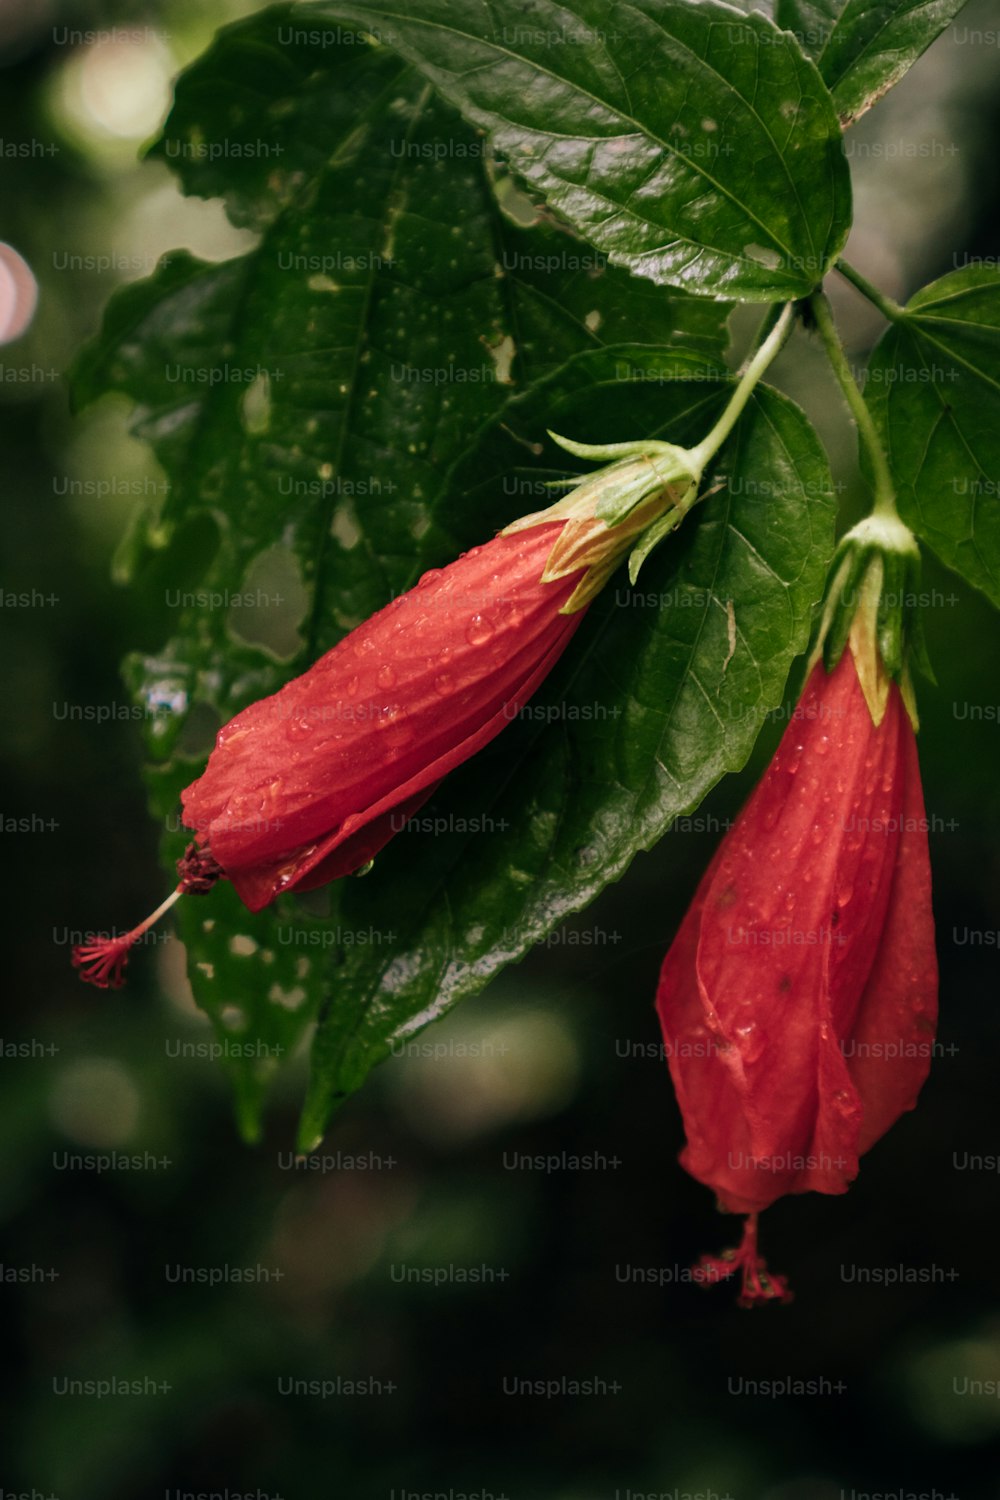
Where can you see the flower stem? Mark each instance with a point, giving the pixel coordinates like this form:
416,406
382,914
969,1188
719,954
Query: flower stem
884,489
772,344
885,305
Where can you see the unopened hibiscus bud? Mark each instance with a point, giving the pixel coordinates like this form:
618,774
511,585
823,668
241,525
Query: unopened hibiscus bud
799,998
310,783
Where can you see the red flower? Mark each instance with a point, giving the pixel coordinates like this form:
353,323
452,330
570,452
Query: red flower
798,1000
309,784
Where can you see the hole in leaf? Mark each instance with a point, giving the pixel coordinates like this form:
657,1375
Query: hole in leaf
502,352
197,736
344,526
255,408
271,604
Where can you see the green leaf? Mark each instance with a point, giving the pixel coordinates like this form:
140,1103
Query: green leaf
662,692
933,388
692,144
308,401
259,116
863,47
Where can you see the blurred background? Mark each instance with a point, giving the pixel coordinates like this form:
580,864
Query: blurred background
417,1273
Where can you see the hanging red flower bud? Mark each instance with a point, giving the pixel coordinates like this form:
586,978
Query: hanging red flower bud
310,783
799,998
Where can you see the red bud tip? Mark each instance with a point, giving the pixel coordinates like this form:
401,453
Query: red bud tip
759,1285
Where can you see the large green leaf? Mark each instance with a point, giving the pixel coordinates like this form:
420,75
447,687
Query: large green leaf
663,692
863,47
934,390
308,401
268,106
694,144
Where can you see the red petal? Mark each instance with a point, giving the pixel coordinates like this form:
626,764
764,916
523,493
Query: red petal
379,720
890,1048
771,973
328,860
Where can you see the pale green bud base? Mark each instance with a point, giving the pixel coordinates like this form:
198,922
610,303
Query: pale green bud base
875,569
649,483
645,491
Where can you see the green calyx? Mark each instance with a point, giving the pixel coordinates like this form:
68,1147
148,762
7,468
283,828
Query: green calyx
871,605
640,471
643,493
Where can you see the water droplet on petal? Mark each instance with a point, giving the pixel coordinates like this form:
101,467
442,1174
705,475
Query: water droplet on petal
298,729
480,630
793,762
386,677
443,685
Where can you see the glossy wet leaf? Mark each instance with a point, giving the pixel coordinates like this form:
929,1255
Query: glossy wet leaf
694,145
933,387
863,47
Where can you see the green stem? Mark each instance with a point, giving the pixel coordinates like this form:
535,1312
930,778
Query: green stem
885,305
884,489
709,447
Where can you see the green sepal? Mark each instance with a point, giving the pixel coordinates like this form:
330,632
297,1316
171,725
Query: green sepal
641,468
847,571
618,502
871,604
651,538
893,612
